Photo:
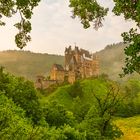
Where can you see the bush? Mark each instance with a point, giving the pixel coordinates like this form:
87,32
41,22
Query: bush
76,90
13,123
23,94
57,115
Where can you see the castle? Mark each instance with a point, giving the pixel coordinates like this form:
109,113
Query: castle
79,64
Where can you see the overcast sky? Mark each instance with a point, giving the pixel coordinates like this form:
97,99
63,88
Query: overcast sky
54,29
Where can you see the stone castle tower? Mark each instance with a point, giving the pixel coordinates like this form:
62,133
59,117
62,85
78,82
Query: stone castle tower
79,63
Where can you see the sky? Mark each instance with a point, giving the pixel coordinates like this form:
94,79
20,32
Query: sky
53,29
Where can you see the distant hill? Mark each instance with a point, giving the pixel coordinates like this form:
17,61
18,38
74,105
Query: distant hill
29,65
112,60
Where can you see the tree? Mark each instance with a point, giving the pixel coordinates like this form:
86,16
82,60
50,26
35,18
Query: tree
106,108
98,121
130,105
56,114
79,109
13,123
23,94
89,12
24,8
76,90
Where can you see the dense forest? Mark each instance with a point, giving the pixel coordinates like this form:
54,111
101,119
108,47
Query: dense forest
90,109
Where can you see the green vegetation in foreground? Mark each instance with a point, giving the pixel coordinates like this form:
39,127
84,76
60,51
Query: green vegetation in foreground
128,108
62,94
130,127
82,111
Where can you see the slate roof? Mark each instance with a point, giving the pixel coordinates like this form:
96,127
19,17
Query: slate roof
59,67
87,54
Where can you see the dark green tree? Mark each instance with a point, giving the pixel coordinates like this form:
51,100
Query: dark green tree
24,8
57,115
13,123
76,89
90,11
23,93
98,122
131,11
130,105
79,109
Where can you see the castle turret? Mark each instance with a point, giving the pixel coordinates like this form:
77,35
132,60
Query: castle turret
95,62
80,63
68,53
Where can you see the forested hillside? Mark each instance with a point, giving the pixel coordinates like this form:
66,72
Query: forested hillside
91,109
29,65
112,60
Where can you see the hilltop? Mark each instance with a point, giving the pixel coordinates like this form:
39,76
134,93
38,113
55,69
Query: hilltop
29,64
111,60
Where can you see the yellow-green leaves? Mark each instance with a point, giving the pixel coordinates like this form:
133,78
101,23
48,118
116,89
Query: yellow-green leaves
24,8
89,12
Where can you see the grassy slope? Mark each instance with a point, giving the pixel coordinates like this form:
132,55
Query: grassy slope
130,127
62,95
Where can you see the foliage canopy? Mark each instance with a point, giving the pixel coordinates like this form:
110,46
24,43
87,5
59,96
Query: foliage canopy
25,113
